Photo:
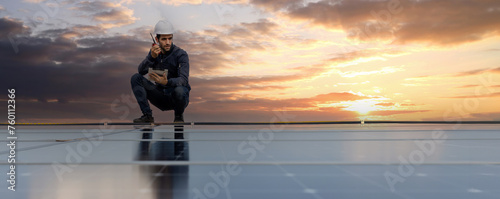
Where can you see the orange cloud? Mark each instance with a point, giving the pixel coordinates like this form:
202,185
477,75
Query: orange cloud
342,60
468,86
489,95
443,22
386,104
407,104
452,75
226,102
229,107
336,97
476,72
395,112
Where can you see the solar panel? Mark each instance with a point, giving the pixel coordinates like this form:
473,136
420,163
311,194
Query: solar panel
256,161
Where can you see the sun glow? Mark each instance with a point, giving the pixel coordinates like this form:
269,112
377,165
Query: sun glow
361,107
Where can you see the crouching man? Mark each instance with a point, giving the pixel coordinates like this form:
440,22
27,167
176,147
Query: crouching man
168,91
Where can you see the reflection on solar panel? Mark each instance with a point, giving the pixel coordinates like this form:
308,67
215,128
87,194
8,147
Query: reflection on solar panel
259,160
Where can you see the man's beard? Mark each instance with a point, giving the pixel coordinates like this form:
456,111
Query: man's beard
164,50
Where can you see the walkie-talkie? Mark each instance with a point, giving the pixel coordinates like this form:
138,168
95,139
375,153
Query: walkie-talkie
154,41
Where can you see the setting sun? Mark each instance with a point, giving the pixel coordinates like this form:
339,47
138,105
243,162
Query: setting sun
362,107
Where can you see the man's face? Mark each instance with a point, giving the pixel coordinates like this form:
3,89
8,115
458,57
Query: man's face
165,42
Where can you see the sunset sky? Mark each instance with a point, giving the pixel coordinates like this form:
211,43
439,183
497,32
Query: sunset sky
71,61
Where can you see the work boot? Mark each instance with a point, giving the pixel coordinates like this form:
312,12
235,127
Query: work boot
145,119
179,118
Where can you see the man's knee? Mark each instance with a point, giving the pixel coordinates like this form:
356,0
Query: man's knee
181,92
136,79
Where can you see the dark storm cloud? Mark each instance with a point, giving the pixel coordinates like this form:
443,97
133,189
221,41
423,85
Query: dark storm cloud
106,13
11,27
74,73
440,22
50,66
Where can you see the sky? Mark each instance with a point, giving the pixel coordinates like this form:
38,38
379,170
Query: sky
256,60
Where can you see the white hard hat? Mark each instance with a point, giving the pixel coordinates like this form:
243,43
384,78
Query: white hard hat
164,27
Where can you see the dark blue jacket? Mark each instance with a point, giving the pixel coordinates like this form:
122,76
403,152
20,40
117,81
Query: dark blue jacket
177,63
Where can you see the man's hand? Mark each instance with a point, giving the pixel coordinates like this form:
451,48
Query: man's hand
155,51
160,79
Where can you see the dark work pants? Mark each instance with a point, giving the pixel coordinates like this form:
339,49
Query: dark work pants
169,98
